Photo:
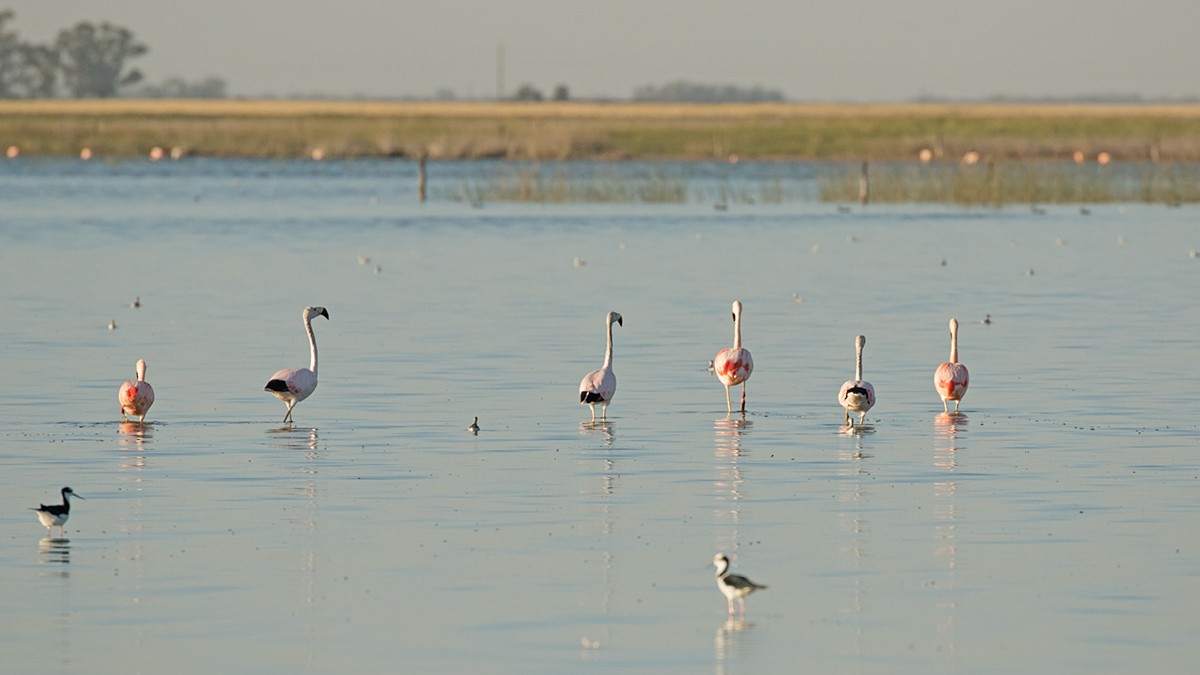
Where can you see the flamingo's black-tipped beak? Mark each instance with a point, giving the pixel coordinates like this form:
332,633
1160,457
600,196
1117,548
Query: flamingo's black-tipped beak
621,321
324,312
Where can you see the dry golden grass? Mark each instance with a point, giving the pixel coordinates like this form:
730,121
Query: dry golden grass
566,130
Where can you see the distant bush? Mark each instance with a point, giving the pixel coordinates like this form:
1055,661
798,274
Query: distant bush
693,92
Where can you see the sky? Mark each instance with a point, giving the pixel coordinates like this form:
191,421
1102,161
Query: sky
810,50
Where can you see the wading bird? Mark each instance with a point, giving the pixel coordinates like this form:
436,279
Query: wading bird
136,396
857,395
292,385
733,586
599,386
733,364
951,378
56,515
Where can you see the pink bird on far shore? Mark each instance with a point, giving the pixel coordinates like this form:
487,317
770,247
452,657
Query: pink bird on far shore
136,396
951,378
857,395
733,365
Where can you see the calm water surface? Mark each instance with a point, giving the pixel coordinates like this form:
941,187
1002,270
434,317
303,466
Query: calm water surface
1051,528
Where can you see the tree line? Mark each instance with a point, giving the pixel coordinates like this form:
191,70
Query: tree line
85,61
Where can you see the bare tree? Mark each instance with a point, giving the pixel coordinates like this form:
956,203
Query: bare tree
38,75
93,59
26,70
10,50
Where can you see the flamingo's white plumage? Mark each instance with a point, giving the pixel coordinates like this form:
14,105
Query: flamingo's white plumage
951,378
136,395
292,385
734,365
599,386
733,586
857,395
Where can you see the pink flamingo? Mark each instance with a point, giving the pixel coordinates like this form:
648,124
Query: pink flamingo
136,396
733,364
951,377
857,395
292,385
599,386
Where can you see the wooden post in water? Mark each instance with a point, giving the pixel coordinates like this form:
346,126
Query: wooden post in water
864,186
421,177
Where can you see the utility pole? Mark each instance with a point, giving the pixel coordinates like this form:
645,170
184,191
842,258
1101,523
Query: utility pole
500,72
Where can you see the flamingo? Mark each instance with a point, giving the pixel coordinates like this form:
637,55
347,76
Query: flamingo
951,378
292,385
857,395
733,586
136,396
734,365
599,386
56,515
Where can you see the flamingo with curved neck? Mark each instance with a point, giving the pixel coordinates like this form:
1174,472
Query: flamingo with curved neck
292,385
599,386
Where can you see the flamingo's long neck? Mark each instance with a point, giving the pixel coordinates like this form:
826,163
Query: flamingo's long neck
141,371
608,348
312,345
737,331
954,344
858,360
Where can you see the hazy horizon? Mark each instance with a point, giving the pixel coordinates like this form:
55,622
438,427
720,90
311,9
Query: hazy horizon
821,51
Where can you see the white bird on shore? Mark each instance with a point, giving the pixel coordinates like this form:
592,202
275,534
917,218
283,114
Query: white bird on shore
733,586
292,385
734,364
857,395
599,386
136,395
56,515
951,378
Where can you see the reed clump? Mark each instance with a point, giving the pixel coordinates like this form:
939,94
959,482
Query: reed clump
534,184
997,183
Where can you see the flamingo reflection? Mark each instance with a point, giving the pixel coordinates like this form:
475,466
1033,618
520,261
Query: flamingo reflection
603,428
949,429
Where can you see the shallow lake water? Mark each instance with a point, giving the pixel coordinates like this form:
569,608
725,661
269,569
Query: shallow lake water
1054,526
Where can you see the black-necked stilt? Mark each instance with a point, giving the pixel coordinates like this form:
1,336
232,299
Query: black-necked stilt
474,428
56,515
733,586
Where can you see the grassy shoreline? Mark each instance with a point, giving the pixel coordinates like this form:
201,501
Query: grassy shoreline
611,131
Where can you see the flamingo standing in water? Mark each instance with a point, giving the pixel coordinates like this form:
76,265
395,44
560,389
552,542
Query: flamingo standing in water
857,395
292,385
136,396
55,515
951,378
599,386
733,364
